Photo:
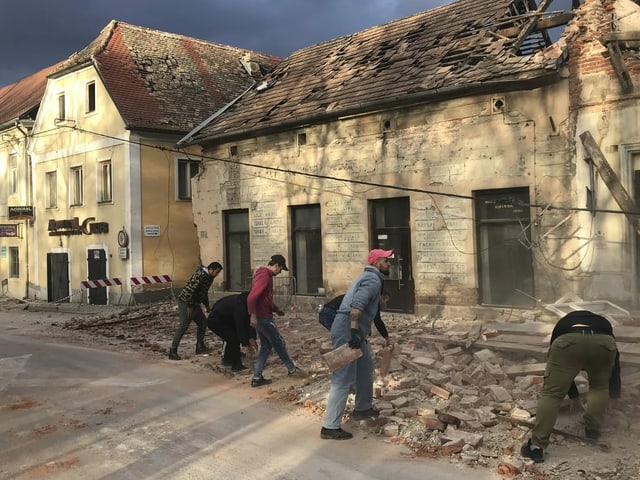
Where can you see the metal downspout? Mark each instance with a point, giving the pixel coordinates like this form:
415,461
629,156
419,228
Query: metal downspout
27,157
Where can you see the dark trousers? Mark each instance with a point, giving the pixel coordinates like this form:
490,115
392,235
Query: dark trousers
570,353
185,320
226,332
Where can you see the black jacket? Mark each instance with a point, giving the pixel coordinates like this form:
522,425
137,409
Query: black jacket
232,310
334,304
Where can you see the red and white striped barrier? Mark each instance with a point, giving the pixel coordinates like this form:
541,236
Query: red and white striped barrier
151,279
105,282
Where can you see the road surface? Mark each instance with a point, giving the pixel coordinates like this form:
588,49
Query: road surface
70,412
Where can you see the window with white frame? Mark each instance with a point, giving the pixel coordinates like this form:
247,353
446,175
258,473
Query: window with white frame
187,169
51,189
105,183
90,101
62,108
76,187
13,173
14,262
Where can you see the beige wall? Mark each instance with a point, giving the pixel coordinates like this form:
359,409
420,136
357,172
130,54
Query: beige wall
453,147
143,191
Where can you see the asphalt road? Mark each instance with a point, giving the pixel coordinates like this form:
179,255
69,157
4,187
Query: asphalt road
70,412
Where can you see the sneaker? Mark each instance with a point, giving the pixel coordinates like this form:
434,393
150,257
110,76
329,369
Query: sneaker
259,382
238,367
532,453
365,414
335,434
298,373
591,434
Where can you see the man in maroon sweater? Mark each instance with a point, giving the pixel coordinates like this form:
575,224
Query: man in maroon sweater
261,308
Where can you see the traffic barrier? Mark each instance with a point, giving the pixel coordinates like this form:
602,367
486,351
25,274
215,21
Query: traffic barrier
145,280
150,279
98,283
104,282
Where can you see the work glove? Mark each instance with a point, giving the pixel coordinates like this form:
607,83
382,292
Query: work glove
356,338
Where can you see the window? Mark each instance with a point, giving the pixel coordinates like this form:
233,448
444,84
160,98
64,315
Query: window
76,187
51,190
187,169
14,262
237,249
13,179
307,248
62,114
105,185
91,97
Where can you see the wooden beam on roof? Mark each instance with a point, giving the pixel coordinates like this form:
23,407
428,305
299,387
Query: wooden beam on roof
530,25
608,175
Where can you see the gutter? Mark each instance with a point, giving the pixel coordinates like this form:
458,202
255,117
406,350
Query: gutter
18,124
392,103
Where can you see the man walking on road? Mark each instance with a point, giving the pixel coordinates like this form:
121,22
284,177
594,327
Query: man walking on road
581,340
261,308
194,293
229,319
352,325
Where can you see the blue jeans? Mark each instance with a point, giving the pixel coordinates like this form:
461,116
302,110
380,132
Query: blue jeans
185,321
270,338
358,374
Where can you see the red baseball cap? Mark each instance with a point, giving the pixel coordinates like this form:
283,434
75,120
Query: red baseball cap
377,253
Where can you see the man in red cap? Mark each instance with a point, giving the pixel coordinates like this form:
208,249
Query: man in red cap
352,325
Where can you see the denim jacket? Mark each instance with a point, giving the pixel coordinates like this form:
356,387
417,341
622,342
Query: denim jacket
363,294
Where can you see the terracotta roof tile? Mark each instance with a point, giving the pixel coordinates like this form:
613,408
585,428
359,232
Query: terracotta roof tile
163,81
21,99
468,42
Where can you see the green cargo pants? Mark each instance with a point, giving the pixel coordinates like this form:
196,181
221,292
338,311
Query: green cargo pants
569,354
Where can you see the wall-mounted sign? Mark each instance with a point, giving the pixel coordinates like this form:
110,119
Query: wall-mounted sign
24,212
123,253
152,230
73,226
8,230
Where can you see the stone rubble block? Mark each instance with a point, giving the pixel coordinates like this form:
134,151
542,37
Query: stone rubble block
484,355
438,378
520,414
499,393
432,422
470,438
424,361
399,402
408,412
494,370
391,430
440,392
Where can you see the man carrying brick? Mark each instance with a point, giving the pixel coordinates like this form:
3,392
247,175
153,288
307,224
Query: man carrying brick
580,340
352,325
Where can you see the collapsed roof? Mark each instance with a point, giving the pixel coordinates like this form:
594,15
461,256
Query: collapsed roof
468,45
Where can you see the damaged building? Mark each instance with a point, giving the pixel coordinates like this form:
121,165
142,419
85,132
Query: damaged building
493,144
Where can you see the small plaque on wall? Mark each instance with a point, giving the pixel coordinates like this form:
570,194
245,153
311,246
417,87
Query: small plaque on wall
123,253
152,230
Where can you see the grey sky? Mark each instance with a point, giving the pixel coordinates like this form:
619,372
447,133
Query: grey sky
37,33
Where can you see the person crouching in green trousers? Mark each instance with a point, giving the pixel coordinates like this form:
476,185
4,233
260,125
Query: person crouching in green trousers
581,340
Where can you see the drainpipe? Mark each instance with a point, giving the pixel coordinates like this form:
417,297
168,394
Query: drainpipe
26,157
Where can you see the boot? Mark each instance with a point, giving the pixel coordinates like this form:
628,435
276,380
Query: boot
201,348
173,354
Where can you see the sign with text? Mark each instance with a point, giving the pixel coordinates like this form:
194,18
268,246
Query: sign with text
24,212
152,230
8,230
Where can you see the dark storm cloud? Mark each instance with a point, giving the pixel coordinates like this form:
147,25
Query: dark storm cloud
38,33
35,34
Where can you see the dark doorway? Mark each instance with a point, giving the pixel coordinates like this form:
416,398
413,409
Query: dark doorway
505,263
97,267
390,226
57,277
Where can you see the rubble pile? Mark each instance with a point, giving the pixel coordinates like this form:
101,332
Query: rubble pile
442,392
